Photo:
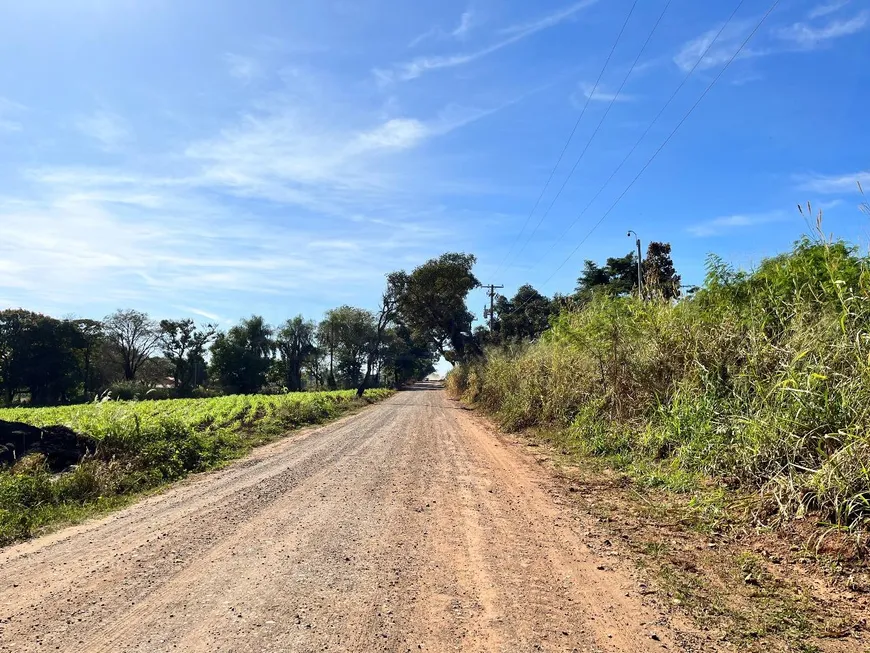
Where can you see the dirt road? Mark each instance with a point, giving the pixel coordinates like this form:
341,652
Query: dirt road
409,526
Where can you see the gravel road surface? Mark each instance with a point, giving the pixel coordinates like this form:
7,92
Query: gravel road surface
408,526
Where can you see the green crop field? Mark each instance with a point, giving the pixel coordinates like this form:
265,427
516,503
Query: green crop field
134,446
128,419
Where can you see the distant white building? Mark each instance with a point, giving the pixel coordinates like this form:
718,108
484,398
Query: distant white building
434,377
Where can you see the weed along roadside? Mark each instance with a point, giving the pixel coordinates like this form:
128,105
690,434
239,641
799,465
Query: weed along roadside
125,448
731,426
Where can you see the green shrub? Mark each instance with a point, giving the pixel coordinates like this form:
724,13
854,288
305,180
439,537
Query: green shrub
26,486
761,379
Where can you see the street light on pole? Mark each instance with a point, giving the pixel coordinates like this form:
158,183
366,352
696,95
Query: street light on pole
639,263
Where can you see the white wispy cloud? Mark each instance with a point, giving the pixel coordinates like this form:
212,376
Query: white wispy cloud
746,78
725,224
834,184
328,191
808,36
64,251
716,51
796,37
394,134
827,8
109,129
9,115
550,20
242,68
323,162
466,22
212,317
310,191
415,68
601,94
434,32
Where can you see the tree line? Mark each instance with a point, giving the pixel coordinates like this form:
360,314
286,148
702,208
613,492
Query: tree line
526,315
421,316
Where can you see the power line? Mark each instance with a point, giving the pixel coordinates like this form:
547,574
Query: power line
570,138
668,139
649,127
598,127
670,136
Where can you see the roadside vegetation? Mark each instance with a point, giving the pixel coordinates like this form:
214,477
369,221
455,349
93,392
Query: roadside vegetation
758,381
124,448
100,411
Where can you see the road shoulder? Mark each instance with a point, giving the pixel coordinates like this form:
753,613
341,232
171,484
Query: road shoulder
759,590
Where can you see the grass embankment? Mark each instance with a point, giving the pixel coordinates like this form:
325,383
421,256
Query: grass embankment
142,445
746,404
760,381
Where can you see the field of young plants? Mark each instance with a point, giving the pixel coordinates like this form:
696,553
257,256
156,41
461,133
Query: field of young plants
129,419
132,446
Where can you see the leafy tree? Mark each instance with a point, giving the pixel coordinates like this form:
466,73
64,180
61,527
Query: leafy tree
431,303
592,276
133,337
525,317
184,345
658,271
617,277
327,341
484,337
93,341
241,357
38,355
385,317
12,325
155,371
354,329
315,367
405,358
295,341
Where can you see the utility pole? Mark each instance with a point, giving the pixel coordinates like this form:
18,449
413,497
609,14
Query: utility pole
639,264
491,293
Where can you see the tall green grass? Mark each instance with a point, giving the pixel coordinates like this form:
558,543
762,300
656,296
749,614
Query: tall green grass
140,445
761,380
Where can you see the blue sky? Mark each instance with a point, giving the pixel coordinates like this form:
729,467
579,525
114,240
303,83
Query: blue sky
220,158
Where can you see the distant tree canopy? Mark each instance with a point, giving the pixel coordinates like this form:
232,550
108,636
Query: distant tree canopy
421,315
658,271
184,346
39,355
524,317
241,357
133,337
618,276
296,343
353,331
406,358
431,304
